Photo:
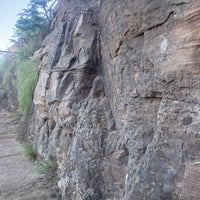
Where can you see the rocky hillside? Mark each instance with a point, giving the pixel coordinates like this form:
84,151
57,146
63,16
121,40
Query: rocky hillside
117,103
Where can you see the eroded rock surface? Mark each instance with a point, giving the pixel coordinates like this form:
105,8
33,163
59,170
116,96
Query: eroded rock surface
118,101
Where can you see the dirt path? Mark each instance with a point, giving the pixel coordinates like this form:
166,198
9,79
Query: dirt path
18,177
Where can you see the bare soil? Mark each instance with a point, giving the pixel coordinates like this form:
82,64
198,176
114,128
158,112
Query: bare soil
19,179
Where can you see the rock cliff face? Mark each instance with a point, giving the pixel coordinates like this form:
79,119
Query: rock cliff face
118,99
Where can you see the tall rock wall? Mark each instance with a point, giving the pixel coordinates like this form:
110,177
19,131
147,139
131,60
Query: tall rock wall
117,104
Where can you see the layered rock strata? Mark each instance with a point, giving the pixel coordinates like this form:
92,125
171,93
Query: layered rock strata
118,100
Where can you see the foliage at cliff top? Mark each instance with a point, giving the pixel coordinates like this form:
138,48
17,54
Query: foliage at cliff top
30,29
32,26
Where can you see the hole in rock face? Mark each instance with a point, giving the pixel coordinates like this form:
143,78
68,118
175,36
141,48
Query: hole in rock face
187,120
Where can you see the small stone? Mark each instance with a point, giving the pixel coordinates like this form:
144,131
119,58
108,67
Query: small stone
187,120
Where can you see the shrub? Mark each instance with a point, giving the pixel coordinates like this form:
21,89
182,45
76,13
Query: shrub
27,74
7,78
7,69
30,152
5,64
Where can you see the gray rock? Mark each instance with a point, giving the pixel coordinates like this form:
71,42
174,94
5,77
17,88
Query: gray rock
119,81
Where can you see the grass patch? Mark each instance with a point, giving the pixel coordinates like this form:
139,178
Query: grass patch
30,152
46,167
27,75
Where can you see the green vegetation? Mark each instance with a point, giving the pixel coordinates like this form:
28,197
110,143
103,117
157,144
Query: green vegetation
56,188
4,64
35,20
24,72
58,194
26,80
32,26
30,29
7,78
7,70
46,167
16,66
30,152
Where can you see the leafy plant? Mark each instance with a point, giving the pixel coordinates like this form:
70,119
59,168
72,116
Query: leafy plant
34,21
45,167
30,152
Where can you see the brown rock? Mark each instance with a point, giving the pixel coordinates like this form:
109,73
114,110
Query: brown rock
119,81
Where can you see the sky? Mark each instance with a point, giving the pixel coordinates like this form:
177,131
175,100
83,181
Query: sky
9,10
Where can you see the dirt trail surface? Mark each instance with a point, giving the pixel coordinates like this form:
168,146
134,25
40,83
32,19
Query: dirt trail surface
18,177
